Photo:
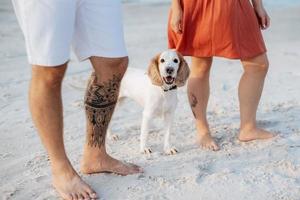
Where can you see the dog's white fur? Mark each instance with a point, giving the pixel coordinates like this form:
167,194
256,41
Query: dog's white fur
156,93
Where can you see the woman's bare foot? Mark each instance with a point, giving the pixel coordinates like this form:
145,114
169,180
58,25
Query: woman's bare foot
206,141
70,186
103,163
254,134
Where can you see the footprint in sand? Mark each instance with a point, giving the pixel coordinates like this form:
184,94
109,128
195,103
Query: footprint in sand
204,171
41,178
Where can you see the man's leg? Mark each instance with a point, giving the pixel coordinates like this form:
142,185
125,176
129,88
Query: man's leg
100,101
198,93
250,90
46,108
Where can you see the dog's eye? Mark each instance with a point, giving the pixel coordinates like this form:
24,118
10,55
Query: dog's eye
162,60
175,60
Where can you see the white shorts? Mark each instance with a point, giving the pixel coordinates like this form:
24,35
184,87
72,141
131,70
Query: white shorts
52,27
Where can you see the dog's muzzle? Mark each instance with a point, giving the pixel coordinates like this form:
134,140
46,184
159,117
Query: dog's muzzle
169,80
170,70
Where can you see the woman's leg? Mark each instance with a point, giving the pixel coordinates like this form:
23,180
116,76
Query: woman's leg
250,90
198,93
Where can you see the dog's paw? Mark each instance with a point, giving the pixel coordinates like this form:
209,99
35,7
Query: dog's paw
146,151
113,137
171,151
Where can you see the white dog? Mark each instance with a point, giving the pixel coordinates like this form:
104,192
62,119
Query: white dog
157,94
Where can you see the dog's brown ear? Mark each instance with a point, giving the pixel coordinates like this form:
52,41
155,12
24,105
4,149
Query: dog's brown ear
183,72
153,72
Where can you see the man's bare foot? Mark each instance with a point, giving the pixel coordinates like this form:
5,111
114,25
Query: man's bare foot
254,134
70,186
107,164
206,141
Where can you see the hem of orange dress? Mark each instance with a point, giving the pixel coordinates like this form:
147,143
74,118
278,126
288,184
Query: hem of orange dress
193,54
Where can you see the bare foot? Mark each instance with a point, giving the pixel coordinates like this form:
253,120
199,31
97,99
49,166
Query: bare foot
206,141
70,186
107,164
254,134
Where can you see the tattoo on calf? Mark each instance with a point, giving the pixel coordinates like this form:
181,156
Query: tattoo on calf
100,101
193,103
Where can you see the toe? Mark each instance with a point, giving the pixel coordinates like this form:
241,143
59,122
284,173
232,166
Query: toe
211,147
80,197
67,197
132,165
134,169
205,147
128,168
137,168
269,135
74,196
215,147
93,196
85,196
91,193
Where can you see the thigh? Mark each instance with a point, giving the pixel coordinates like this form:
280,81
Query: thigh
99,30
48,28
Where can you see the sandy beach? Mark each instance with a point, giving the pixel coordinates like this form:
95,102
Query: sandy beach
260,170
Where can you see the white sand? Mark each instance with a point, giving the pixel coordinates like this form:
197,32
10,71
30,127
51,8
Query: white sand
259,170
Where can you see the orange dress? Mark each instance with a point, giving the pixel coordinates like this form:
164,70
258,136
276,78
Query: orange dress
225,28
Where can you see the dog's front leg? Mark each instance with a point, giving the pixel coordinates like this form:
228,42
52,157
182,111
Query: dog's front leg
168,120
144,134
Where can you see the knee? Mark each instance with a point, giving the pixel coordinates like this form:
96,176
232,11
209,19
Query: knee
52,80
48,78
264,67
201,67
258,68
110,65
120,65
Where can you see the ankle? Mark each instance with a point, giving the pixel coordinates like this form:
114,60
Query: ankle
64,167
94,152
248,127
203,134
202,128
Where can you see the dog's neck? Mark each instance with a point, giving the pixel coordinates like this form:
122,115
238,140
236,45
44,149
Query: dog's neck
167,88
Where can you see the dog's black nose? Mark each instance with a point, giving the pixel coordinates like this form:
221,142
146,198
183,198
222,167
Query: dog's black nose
170,70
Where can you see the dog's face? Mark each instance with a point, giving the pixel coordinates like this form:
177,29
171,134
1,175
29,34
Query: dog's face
168,68
168,65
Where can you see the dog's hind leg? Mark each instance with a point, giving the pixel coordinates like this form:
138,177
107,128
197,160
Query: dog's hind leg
110,135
